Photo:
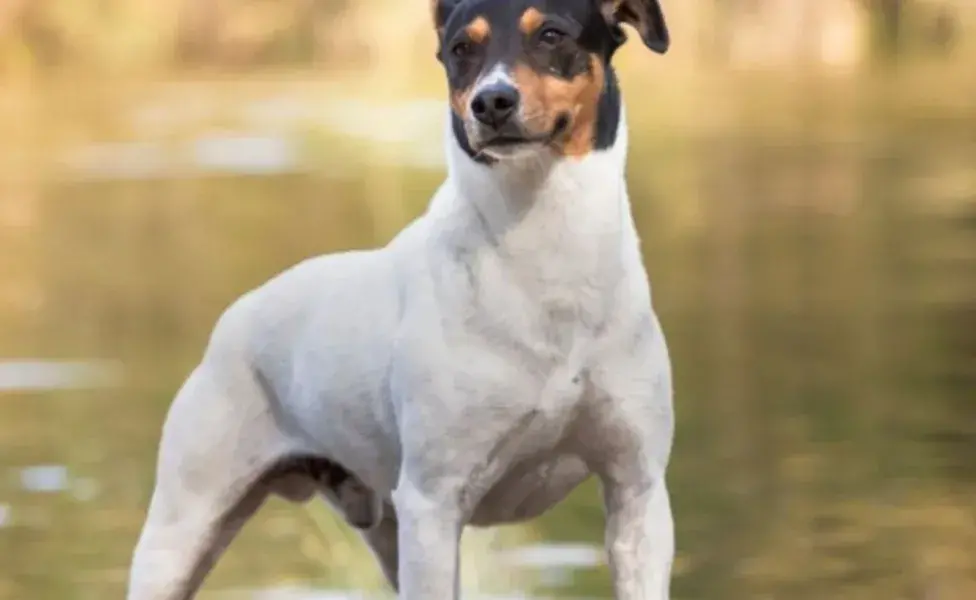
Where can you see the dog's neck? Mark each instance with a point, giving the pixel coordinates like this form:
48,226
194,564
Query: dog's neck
546,194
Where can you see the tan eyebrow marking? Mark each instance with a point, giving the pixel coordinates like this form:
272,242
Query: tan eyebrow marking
531,20
478,30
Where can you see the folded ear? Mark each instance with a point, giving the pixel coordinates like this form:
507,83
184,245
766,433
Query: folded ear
441,10
645,16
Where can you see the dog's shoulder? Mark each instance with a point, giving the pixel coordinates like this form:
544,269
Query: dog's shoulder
275,312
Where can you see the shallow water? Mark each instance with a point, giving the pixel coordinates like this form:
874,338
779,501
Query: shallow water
816,290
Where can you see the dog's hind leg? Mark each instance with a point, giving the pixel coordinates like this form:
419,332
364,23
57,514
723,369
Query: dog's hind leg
209,480
382,541
297,477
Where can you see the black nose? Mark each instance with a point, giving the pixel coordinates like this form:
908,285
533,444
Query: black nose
495,104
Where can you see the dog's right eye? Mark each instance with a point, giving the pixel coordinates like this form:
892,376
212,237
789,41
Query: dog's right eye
462,49
551,36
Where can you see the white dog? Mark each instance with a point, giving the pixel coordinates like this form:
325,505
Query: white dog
475,370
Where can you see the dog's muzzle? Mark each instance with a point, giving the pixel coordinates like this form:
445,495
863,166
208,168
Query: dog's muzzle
509,139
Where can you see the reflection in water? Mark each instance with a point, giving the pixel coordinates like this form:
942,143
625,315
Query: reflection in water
814,287
290,593
41,375
44,478
555,564
410,132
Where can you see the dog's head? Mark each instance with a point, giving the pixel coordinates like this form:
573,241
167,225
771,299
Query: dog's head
528,75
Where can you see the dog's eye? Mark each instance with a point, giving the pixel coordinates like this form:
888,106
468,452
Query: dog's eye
462,49
551,36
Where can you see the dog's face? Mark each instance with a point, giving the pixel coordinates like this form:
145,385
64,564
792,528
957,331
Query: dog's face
528,75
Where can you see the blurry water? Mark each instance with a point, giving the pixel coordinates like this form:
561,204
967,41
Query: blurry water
816,289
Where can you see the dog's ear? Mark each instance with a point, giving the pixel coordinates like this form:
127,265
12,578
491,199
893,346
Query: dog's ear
645,16
440,11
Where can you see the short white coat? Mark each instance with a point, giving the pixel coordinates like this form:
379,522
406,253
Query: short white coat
475,370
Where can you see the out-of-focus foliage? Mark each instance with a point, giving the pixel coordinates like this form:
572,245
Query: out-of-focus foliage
142,34
135,34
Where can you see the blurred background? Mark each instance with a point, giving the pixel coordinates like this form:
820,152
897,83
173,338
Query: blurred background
803,175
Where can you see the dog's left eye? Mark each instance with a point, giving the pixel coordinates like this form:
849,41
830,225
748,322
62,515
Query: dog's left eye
551,36
462,49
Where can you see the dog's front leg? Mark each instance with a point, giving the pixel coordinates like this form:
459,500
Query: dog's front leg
639,537
458,412
634,428
430,525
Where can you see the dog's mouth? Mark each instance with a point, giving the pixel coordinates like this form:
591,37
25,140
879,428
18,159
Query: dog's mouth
507,141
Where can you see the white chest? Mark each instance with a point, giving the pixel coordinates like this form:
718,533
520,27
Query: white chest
546,280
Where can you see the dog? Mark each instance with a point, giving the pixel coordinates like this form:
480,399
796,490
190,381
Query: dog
499,351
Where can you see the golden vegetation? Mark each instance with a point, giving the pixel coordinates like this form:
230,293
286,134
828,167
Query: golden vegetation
147,35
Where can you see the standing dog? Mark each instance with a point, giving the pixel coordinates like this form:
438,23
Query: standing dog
495,354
